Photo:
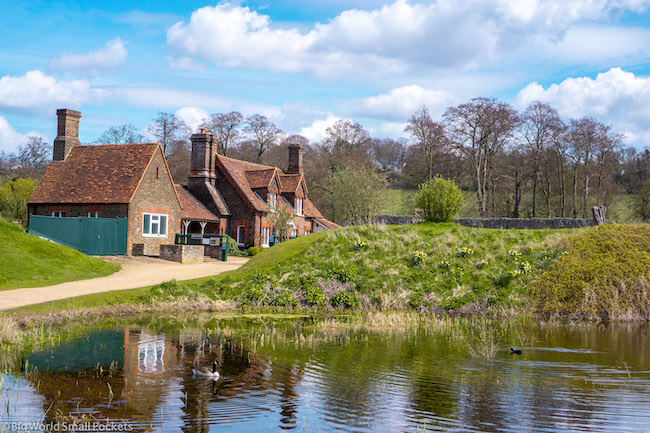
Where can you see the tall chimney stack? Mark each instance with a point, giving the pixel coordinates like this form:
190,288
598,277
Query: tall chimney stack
67,134
295,158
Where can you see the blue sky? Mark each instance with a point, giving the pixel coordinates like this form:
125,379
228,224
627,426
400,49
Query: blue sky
306,64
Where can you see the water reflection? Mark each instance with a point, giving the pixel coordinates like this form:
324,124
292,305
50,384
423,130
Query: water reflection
287,375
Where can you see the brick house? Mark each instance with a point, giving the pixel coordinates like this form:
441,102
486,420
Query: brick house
129,181
251,193
133,181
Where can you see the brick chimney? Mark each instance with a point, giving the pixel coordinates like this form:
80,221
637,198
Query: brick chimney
67,133
295,158
202,170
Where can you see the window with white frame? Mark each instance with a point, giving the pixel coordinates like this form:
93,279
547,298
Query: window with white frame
273,201
241,230
266,236
298,206
154,225
94,214
58,214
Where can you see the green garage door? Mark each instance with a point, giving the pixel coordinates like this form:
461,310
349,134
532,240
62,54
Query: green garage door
92,236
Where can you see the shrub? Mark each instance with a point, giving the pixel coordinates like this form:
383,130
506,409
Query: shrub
344,299
233,248
254,251
314,296
439,200
343,274
604,272
284,299
13,198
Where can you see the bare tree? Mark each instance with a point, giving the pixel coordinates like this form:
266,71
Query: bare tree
166,128
428,135
226,126
120,134
32,159
346,144
480,129
262,133
541,125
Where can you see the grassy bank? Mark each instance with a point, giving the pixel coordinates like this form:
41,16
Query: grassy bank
424,266
595,273
29,261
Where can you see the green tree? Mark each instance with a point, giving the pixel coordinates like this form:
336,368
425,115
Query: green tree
439,200
356,195
13,198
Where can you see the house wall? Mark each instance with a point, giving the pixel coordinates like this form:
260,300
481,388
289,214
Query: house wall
240,213
81,210
154,196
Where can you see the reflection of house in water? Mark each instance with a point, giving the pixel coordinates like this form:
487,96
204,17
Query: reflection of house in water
112,374
151,372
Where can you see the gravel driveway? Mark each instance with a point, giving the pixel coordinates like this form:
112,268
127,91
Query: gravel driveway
136,272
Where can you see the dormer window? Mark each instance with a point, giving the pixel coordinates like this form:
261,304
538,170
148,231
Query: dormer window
273,201
298,206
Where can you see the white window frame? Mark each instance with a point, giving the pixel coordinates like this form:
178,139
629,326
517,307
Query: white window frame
273,201
94,214
240,239
157,219
58,213
298,206
266,236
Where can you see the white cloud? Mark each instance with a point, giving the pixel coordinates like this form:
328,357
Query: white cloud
105,59
317,130
37,92
10,139
593,44
402,102
192,116
616,97
388,40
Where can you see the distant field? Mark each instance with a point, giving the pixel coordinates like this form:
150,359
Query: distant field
402,202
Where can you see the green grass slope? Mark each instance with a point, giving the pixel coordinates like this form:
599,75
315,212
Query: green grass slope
433,266
28,261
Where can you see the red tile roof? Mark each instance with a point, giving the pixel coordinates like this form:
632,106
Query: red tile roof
261,178
236,170
193,209
95,174
291,182
218,201
247,175
310,210
327,223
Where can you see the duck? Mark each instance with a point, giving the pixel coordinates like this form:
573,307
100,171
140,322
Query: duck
205,371
515,351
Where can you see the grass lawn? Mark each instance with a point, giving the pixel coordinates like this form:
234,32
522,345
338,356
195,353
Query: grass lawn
29,261
444,266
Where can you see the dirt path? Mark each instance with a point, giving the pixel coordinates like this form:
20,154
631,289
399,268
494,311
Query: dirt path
136,272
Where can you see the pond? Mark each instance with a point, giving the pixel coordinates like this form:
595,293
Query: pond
310,375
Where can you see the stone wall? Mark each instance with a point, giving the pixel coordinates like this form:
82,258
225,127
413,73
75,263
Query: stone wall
526,223
498,223
213,251
182,253
394,219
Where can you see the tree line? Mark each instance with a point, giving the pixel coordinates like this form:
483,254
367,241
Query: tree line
517,164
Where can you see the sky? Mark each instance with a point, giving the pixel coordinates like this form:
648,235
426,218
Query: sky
306,65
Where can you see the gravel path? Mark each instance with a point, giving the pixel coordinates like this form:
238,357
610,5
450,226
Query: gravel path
136,272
